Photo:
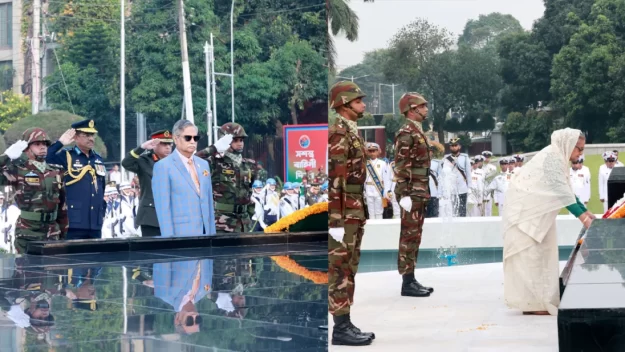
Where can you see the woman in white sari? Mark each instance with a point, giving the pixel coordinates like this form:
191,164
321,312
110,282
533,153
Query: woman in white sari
536,194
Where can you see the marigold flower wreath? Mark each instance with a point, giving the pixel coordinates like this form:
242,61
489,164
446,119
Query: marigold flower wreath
312,218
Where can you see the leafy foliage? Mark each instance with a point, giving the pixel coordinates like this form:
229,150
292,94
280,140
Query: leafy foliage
13,107
488,29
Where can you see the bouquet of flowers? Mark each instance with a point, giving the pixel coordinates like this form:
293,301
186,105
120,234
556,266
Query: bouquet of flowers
617,211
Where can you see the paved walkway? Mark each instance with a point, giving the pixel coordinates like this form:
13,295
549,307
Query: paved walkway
466,313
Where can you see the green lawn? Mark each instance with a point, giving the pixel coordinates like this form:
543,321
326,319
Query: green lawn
593,162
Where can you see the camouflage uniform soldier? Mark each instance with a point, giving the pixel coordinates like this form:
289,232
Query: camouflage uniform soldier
232,178
40,194
412,163
347,210
262,173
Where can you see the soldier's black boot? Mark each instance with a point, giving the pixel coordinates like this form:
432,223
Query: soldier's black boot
368,334
429,289
343,333
410,287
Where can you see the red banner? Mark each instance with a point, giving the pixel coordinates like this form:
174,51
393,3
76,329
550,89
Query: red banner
304,145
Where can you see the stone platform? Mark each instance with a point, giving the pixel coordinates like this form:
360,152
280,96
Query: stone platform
466,313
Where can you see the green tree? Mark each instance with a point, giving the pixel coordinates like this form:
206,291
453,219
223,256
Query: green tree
13,107
410,49
588,72
341,19
370,71
487,29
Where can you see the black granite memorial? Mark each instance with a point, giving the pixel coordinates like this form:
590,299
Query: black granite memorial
616,185
250,297
159,243
591,315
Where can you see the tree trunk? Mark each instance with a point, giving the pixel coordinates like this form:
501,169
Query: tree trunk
295,98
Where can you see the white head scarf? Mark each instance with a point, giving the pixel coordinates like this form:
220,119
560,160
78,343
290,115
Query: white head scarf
540,188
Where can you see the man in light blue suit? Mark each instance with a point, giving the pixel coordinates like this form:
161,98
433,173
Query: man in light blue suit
182,285
181,183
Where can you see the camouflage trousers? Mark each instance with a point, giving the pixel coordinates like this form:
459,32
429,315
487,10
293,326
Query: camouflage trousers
23,236
343,260
230,222
410,236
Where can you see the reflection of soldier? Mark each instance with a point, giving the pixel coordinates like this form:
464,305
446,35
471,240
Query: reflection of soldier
141,161
412,162
346,211
40,194
232,178
84,180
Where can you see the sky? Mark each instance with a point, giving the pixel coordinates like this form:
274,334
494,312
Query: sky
380,20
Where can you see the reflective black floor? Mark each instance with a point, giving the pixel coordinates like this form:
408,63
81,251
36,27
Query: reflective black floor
261,298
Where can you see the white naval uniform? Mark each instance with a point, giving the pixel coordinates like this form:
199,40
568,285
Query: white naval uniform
126,218
452,183
580,180
434,178
604,175
110,217
396,211
500,185
475,198
372,193
489,170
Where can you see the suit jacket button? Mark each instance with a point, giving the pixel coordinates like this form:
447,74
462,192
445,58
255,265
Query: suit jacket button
150,204
91,208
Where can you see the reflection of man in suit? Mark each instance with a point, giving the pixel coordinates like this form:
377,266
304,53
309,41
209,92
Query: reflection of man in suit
181,184
182,285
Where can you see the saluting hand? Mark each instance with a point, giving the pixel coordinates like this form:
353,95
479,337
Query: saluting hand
68,136
151,144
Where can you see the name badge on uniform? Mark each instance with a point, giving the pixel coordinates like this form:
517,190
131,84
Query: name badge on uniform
77,164
356,144
508,177
32,179
580,175
227,172
377,166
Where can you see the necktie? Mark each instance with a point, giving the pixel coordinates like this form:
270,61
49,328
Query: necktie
194,175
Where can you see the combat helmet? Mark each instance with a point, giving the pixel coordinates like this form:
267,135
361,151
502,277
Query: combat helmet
410,100
343,92
233,128
35,134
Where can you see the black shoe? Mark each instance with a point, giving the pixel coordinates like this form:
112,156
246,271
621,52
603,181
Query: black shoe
344,334
368,334
410,287
429,289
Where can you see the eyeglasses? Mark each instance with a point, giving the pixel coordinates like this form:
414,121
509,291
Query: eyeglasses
576,162
193,320
188,138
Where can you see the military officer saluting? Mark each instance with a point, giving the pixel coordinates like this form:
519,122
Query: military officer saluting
40,194
232,178
346,211
84,179
457,164
141,161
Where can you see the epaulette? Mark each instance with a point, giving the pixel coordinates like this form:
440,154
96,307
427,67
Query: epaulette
68,149
96,154
338,128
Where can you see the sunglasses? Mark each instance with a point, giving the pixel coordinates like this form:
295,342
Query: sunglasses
193,320
575,162
188,138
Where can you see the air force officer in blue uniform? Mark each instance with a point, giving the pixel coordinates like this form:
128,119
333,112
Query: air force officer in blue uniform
83,180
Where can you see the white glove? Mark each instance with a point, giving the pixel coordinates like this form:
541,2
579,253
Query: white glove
337,233
223,143
406,203
16,150
262,224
